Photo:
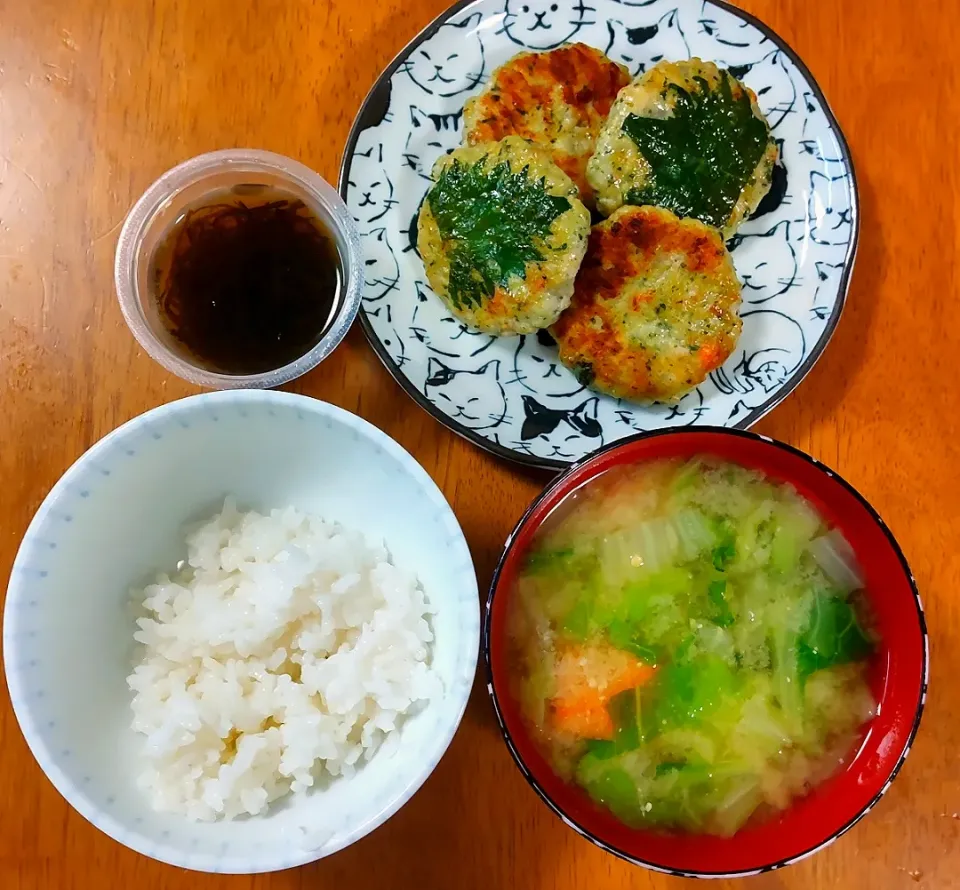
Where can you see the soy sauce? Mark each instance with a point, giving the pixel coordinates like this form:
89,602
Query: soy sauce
248,281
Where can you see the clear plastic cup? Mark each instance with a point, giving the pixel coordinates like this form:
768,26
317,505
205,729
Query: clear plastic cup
185,186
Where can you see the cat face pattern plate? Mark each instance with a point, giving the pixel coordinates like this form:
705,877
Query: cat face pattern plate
510,395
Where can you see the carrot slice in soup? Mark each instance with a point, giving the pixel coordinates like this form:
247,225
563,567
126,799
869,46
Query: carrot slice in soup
587,677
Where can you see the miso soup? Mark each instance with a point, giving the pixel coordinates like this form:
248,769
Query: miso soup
691,644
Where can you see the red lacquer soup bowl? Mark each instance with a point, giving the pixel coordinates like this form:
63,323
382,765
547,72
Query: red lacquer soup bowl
898,673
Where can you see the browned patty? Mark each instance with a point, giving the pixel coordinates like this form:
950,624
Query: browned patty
558,99
654,308
528,301
618,167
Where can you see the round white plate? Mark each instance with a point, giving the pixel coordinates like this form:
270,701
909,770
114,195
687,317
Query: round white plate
510,395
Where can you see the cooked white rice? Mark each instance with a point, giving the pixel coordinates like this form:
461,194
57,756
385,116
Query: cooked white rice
286,646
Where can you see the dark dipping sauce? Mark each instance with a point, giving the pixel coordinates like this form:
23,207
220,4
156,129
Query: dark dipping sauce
248,281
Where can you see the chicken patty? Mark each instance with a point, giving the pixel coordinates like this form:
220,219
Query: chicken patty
502,234
558,99
687,136
655,306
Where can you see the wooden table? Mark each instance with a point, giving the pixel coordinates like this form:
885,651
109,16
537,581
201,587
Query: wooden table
98,97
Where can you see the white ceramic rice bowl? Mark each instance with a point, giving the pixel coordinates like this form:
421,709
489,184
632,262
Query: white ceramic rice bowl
117,516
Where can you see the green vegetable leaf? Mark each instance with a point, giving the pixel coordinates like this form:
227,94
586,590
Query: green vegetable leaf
724,554
546,560
716,590
785,550
832,637
576,624
703,155
626,636
611,785
722,615
625,713
602,749
686,644
685,693
687,475
787,679
490,220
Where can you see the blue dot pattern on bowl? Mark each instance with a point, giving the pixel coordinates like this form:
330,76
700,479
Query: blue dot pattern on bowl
45,735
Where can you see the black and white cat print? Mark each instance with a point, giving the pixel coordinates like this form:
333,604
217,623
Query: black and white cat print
511,394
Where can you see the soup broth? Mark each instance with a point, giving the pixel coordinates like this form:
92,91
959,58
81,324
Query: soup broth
691,644
248,280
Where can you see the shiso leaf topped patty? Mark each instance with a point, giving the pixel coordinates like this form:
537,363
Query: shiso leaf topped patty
492,219
687,136
502,234
703,155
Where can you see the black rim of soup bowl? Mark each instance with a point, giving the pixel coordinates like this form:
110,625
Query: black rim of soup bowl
559,481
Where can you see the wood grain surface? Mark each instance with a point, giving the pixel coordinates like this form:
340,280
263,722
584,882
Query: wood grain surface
98,97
